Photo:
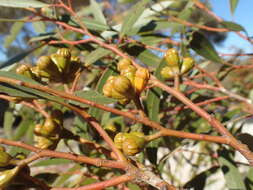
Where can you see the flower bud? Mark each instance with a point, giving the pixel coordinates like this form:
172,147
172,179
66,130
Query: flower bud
45,143
131,146
25,70
187,65
51,127
4,157
124,101
167,73
123,86
137,134
64,52
141,78
123,63
118,140
109,91
129,72
47,68
172,58
61,62
6,176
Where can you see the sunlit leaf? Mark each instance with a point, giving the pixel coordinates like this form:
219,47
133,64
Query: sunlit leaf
233,5
22,4
133,16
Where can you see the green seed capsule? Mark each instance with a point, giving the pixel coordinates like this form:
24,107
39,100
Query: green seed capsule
172,58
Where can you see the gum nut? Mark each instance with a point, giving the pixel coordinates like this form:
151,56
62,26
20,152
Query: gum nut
4,159
123,63
25,70
142,73
107,89
187,64
7,175
61,62
172,58
64,52
122,85
130,147
118,139
124,101
167,73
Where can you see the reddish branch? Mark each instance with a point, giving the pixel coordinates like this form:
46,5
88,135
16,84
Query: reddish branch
242,148
144,120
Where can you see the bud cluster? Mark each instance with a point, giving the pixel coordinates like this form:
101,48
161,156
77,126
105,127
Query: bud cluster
130,143
176,66
57,67
129,84
9,168
47,135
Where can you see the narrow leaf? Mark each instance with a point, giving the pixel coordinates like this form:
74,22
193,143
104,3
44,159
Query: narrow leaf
233,5
95,96
201,45
15,30
232,26
154,95
22,3
96,55
92,24
133,16
149,59
17,57
97,12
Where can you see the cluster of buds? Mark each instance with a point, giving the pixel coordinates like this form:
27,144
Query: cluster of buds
176,66
130,143
58,67
129,84
9,168
47,135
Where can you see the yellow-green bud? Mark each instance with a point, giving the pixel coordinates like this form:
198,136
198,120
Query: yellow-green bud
172,58
187,64
47,68
64,52
6,176
25,70
118,140
129,72
131,147
61,62
123,63
4,157
167,73
123,86
45,143
141,79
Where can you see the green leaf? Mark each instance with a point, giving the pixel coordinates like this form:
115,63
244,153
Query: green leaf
97,12
39,27
8,121
53,161
22,129
94,111
96,55
231,173
92,24
201,45
22,3
233,5
249,179
133,16
21,91
153,97
95,96
17,57
232,26
15,30
149,59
